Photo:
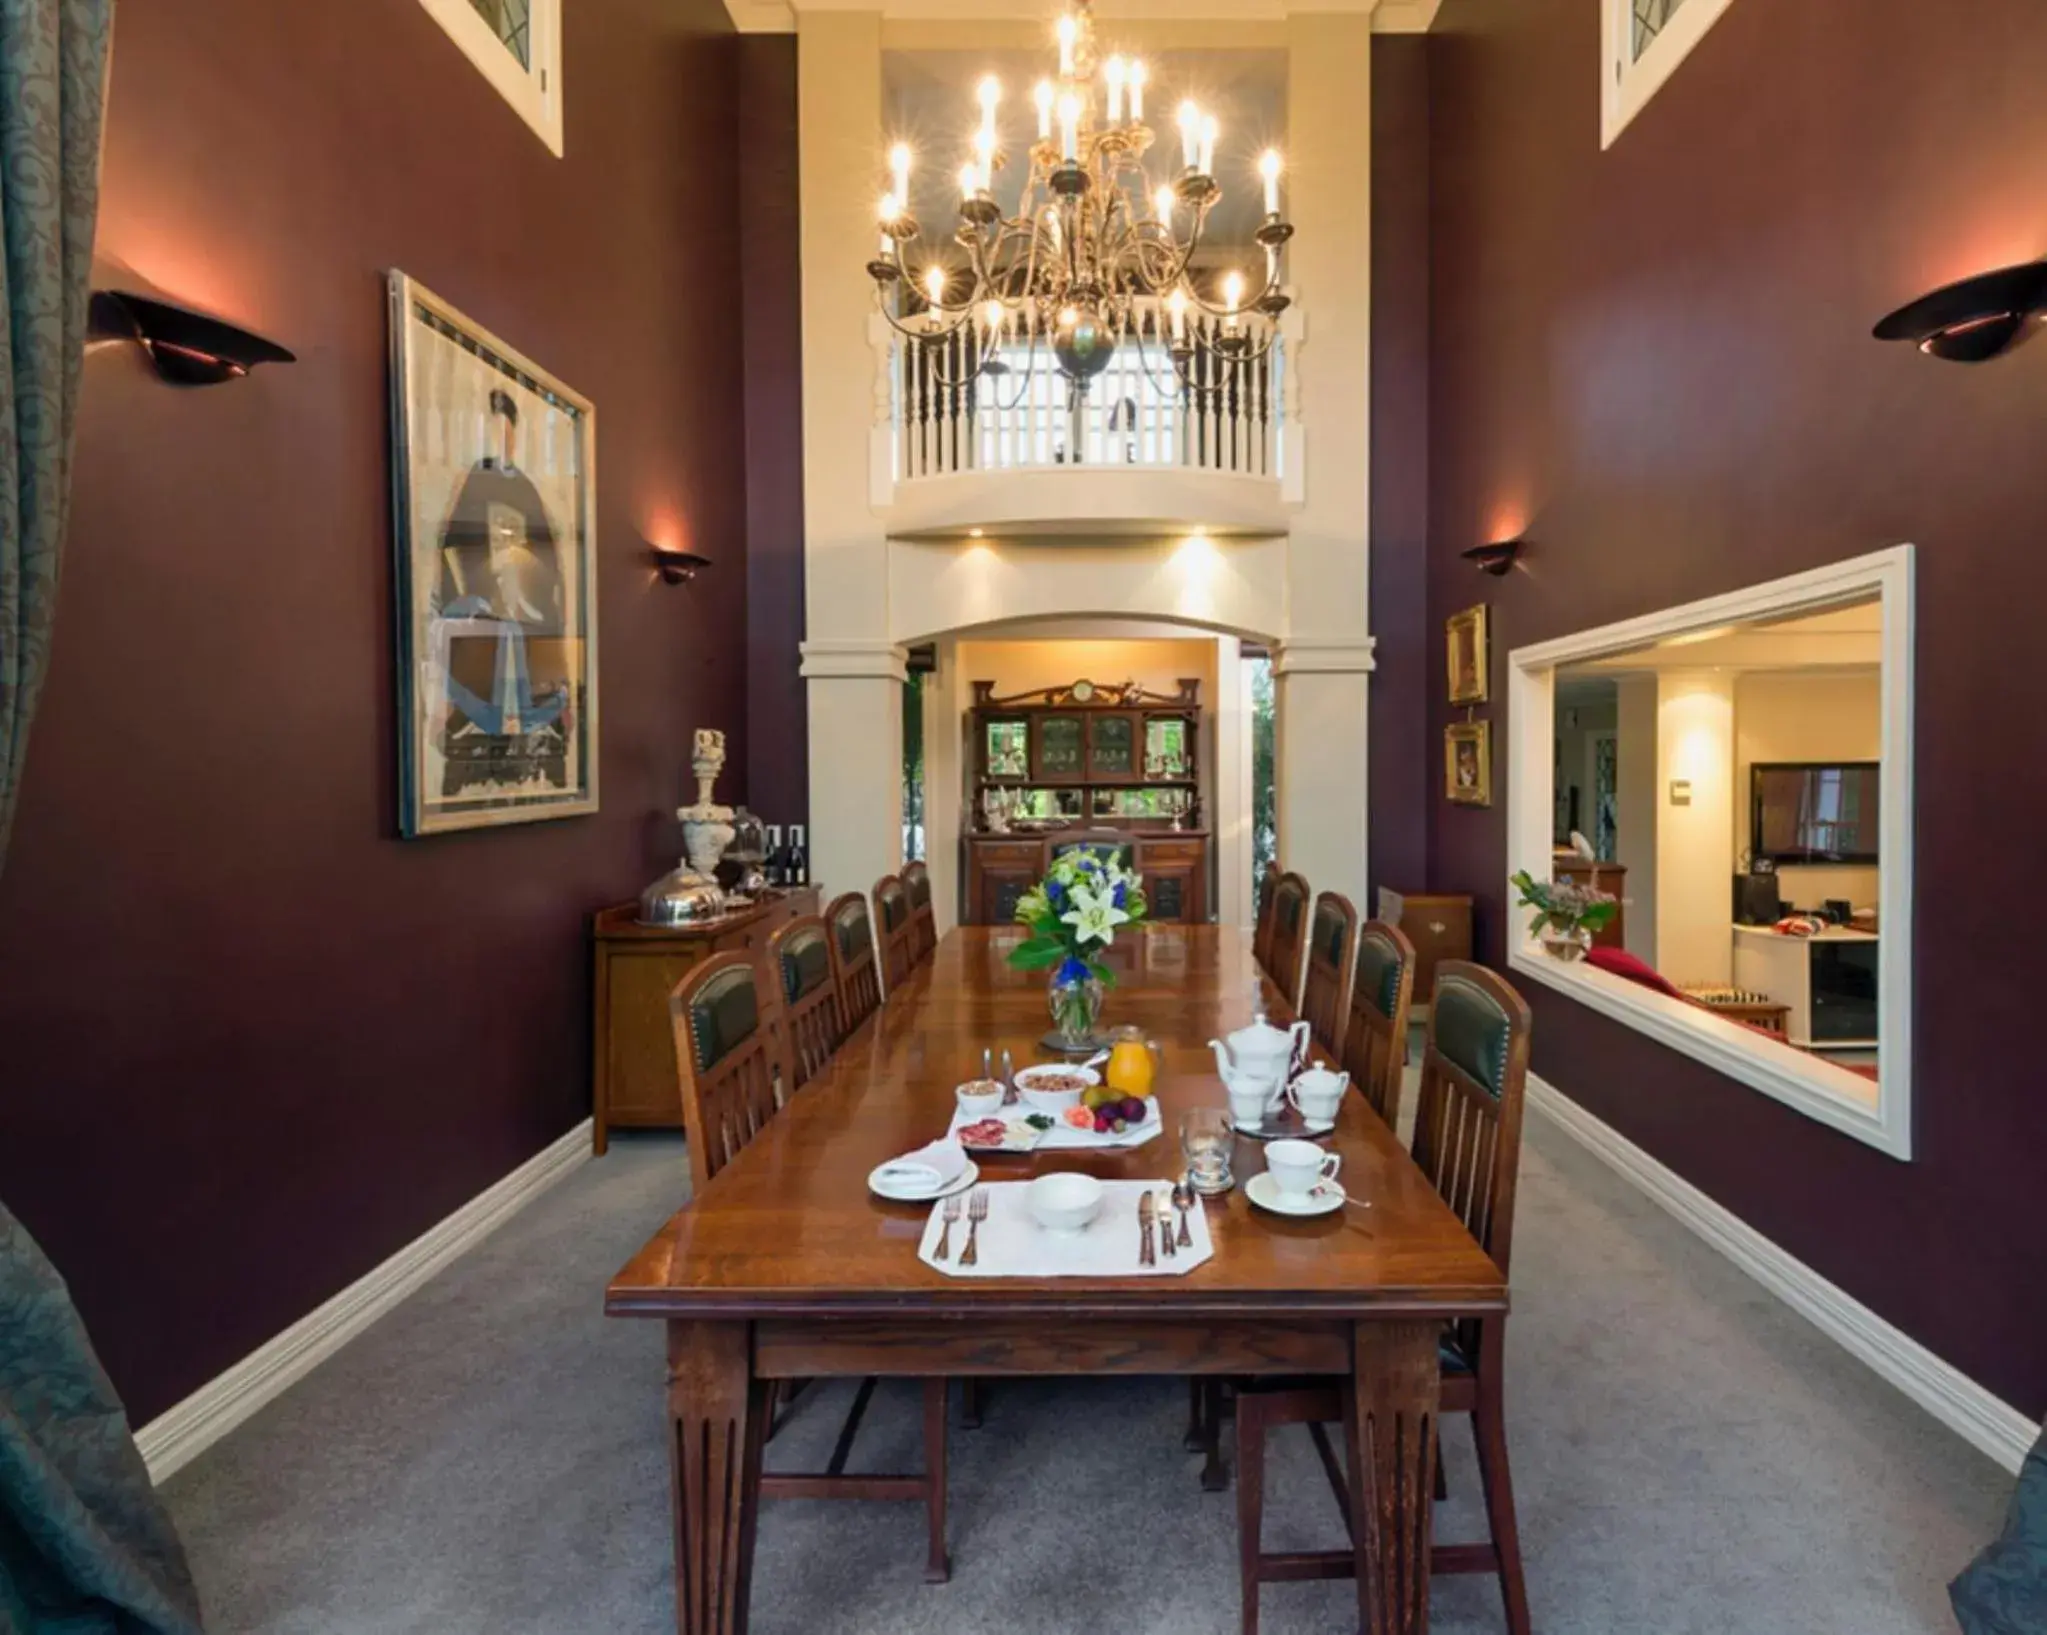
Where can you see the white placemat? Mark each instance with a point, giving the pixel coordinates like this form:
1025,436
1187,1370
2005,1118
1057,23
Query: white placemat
1012,1244
1064,1136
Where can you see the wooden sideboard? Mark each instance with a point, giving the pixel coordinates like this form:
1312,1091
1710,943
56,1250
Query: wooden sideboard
1001,868
1439,926
637,967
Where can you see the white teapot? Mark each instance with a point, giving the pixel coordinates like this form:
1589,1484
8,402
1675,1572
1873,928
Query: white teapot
1256,1060
1318,1093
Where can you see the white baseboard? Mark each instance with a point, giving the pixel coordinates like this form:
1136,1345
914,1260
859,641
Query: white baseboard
1958,1402
181,1433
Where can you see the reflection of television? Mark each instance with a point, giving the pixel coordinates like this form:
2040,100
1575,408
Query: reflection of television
1814,812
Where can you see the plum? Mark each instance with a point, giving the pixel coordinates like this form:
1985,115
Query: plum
1133,1110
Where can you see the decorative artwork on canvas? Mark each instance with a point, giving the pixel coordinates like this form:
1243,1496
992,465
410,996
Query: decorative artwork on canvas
495,575
1465,636
1468,763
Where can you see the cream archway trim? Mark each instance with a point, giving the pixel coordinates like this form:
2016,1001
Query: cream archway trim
842,659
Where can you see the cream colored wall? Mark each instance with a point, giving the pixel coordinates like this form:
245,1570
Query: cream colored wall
1807,716
1635,787
1695,843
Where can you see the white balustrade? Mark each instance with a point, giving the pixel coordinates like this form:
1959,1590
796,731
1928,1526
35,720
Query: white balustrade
1227,417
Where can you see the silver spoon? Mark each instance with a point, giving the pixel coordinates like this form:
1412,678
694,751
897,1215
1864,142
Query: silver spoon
1183,1200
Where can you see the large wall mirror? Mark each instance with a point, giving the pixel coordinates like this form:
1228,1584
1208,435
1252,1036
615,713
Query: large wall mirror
1736,774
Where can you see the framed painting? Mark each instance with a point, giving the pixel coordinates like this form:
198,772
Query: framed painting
493,525
1468,762
1466,643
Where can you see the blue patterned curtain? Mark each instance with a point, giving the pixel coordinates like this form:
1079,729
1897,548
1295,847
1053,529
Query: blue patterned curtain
53,75
85,1548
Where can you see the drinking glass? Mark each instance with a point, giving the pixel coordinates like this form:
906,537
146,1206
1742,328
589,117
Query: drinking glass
1207,1136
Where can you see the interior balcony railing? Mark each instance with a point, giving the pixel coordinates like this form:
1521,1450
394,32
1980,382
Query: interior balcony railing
1226,416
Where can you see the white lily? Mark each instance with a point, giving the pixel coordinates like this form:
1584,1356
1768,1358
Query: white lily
1094,918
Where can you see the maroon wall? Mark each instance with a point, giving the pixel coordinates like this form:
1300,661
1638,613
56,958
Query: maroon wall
1398,728
1657,360
254,1042
777,711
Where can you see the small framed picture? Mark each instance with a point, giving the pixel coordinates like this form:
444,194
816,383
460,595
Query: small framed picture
1466,633
1468,762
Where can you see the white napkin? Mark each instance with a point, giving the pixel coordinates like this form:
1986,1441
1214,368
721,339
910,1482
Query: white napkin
928,1168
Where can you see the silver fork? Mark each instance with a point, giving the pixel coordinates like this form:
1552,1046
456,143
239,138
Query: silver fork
977,1212
952,1213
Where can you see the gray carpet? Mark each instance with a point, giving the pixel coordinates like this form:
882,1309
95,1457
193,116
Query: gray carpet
1689,1456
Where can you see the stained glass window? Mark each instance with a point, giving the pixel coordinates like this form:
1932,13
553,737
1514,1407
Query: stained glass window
512,22
1650,19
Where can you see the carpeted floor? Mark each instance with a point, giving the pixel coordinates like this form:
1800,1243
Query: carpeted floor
1689,1457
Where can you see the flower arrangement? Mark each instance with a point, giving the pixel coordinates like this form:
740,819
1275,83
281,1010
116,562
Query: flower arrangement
1072,914
1567,916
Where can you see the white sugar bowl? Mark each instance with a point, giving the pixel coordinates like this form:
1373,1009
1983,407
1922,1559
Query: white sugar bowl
1064,1202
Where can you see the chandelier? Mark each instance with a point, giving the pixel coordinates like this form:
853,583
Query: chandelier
1101,252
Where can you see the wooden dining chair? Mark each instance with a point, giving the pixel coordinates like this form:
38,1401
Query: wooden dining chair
1261,931
898,936
853,968
923,921
1289,932
1467,1140
1332,953
725,1049
800,955
1374,1050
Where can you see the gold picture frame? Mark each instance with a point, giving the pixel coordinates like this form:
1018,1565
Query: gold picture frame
1469,661
1468,763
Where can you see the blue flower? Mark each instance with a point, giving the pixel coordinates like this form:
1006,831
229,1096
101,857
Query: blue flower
1055,893
1121,892
1072,969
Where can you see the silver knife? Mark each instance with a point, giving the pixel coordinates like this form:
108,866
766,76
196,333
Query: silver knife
1144,1249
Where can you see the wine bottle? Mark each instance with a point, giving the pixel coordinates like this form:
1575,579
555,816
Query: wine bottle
771,865
799,855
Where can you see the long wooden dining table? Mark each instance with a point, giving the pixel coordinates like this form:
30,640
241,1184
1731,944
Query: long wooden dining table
786,1267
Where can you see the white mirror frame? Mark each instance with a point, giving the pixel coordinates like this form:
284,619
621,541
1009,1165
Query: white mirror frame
535,93
1813,1085
1627,85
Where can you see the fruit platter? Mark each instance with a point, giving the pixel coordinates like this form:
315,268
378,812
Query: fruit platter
1101,1118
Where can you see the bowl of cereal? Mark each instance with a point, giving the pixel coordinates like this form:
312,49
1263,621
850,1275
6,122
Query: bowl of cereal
1054,1088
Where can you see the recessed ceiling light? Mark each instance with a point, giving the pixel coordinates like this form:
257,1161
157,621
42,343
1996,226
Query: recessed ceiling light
973,533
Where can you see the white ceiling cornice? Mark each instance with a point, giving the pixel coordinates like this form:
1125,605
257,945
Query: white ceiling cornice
1388,16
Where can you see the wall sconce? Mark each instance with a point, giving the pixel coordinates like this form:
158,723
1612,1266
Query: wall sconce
188,348
1974,320
677,567
1495,558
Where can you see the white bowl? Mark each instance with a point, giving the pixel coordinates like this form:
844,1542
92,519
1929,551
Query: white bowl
976,1102
1064,1202
1052,1101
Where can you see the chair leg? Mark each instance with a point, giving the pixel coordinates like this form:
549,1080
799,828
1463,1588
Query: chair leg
937,1566
1489,1424
1442,1481
1215,1475
1197,1402
971,1404
1250,1503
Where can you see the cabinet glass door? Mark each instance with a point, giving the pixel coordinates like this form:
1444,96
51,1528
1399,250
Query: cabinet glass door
1165,748
1061,740
1112,747
1006,750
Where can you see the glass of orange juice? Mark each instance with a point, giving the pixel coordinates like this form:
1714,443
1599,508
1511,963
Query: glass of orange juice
1134,1062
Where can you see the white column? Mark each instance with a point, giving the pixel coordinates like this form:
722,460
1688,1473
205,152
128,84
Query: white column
944,783
855,673
1636,783
856,763
1695,825
1321,670
1229,780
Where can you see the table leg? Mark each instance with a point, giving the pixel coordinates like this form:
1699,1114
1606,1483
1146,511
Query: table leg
717,1419
1389,1420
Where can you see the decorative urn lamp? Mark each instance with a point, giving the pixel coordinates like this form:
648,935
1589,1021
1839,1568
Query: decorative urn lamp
690,891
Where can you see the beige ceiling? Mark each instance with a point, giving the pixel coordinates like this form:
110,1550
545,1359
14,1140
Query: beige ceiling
1388,16
1848,637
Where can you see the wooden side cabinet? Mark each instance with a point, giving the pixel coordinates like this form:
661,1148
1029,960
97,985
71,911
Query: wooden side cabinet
633,1073
1001,868
1175,879
1439,926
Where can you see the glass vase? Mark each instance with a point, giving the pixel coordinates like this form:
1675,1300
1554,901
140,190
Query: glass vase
1567,945
1076,1003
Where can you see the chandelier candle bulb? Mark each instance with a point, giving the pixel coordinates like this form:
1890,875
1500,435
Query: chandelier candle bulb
1210,130
889,211
1069,31
1137,92
1190,134
934,287
1069,126
984,154
970,179
1176,304
1114,73
1162,203
1233,293
899,164
1268,167
1044,96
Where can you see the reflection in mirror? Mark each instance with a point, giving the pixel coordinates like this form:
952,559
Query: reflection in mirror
1724,786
